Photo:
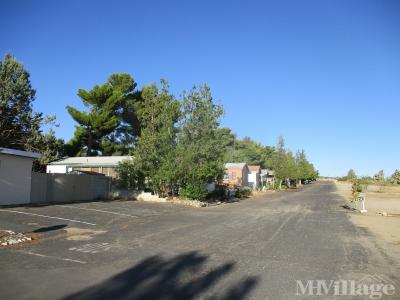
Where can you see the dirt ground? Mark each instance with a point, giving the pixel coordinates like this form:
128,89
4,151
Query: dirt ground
383,216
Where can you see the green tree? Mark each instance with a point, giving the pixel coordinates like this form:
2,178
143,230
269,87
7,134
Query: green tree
109,125
267,156
250,152
123,139
279,162
351,174
305,169
395,178
226,137
200,149
47,144
18,122
154,154
291,167
20,127
130,176
245,150
380,176
301,165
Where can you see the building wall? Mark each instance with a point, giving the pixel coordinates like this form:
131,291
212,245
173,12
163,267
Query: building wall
15,179
245,177
56,169
108,171
233,176
63,188
236,176
253,180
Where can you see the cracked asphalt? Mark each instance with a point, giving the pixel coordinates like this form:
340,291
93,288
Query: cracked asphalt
255,249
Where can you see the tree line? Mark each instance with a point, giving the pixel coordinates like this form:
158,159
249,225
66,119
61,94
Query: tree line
378,178
177,144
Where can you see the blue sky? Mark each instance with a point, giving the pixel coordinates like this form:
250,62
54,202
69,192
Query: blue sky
325,74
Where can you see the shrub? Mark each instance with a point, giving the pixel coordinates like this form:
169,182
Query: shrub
343,178
194,191
244,192
395,178
129,176
357,187
219,193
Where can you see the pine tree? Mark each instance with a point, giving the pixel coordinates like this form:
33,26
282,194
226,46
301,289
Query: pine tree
154,154
17,122
110,122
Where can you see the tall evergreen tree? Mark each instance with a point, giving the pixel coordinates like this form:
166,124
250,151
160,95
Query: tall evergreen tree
122,140
305,169
154,154
20,126
280,161
200,150
17,120
110,122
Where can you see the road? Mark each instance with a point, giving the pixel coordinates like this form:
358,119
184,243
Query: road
256,249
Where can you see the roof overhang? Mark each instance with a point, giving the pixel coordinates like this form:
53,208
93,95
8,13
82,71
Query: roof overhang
15,152
89,165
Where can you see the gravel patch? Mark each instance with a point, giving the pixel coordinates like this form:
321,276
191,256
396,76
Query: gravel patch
8,237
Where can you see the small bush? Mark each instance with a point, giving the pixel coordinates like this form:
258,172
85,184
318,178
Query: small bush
194,191
357,188
244,192
344,178
219,194
129,176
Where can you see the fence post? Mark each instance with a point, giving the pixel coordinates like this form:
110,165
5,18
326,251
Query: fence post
362,199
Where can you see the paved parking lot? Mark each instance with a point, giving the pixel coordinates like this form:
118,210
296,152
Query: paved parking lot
257,249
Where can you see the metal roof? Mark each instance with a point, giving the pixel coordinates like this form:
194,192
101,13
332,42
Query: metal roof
254,168
19,153
235,165
91,160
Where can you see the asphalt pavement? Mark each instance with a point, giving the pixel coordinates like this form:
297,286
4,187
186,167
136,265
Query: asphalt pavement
258,248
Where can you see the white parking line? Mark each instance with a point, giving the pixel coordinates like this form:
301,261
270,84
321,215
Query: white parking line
55,257
43,216
100,210
92,248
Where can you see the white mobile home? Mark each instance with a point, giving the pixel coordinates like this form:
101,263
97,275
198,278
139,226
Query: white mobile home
254,176
105,165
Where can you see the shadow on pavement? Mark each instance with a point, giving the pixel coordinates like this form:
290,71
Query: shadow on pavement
345,206
181,277
50,228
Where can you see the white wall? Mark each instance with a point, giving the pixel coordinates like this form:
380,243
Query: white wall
253,180
15,179
56,169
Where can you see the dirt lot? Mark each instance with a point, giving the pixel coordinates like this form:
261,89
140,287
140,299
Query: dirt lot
380,201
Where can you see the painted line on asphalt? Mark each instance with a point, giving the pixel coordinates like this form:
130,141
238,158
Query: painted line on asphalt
100,210
44,216
55,257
